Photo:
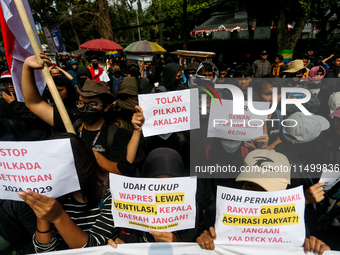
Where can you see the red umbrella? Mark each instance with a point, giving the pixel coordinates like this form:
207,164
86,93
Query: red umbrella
101,45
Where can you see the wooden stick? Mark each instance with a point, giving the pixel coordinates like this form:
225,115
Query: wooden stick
48,78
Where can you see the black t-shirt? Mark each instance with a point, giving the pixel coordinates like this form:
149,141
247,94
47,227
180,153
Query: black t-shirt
116,152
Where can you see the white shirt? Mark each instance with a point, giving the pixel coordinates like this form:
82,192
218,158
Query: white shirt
103,76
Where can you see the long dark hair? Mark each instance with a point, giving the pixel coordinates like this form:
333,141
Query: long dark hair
92,178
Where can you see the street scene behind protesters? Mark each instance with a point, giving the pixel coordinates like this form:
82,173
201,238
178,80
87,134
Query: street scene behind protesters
182,137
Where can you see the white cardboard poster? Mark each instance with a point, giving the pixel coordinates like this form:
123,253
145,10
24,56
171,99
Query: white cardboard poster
241,127
46,167
260,218
169,112
161,204
330,177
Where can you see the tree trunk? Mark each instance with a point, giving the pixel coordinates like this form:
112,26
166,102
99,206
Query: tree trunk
185,34
286,40
104,22
75,34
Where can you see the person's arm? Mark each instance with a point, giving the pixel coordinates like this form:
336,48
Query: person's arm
106,164
272,146
69,76
50,209
137,122
326,59
33,99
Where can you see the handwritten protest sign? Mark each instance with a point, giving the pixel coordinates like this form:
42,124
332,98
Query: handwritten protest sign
330,177
242,127
163,204
169,112
46,167
260,218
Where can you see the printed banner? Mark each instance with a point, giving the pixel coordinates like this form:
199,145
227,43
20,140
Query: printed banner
162,204
260,218
185,249
46,167
241,127
49,39
55,33
169,112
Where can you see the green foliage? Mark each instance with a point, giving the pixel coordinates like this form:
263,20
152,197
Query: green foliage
172,13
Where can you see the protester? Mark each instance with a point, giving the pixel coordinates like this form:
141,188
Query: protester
116,77
301,144
264,93
56,71
311,57
276,67
262,181
177,141
314,79
117,153
261,66
11,108
295,70
127,99
334,71
143,83
83,73
172,77
74,220
73,71
207,70
97,73
160,163
223,72
325,210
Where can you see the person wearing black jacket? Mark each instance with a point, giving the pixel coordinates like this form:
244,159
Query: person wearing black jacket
11,108
172,77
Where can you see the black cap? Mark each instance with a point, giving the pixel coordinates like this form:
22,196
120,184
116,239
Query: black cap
264,52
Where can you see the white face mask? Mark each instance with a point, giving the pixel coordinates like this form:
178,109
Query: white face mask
230,146
165,136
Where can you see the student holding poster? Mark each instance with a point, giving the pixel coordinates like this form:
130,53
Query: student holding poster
113,146
80,219
261,181
160,163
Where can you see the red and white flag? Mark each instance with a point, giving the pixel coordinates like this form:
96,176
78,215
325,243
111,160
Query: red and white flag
17,45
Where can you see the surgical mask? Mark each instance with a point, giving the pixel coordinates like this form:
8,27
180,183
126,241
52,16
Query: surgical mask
95,64
89,115
230,146
165,136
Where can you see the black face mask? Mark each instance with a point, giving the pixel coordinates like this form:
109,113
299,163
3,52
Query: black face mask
89,115
134,72
95,64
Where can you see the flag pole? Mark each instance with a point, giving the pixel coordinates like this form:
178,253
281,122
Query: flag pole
47,75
